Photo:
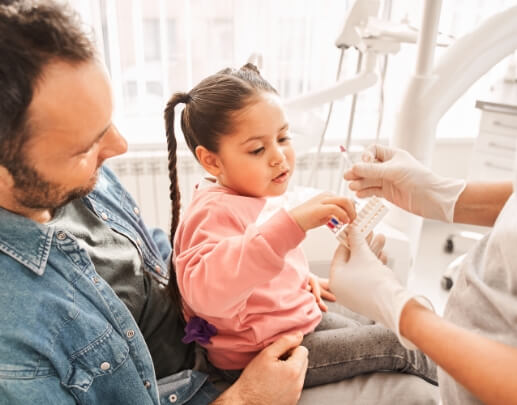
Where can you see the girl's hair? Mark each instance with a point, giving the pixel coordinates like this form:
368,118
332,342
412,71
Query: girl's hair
209,113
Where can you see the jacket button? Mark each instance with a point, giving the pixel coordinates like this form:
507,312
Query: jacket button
95,280
104,216
105,366
173,398
130,333
136,210
139,241
147,384
158,269
61,235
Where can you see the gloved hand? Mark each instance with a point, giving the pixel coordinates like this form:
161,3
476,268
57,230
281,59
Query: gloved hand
364,285
407,183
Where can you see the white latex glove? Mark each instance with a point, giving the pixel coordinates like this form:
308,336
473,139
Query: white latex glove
363,284
407,183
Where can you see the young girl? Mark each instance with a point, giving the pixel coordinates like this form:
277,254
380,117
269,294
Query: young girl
244,281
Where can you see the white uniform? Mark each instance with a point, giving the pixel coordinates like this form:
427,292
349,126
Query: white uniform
484,299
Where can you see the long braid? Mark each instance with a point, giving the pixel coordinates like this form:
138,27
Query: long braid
208,115
174,191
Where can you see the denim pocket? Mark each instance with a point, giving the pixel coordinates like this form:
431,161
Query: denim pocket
102,356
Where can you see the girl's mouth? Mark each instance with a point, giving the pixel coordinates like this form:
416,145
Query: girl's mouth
282,177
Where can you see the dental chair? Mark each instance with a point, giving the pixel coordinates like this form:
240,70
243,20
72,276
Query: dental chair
450,274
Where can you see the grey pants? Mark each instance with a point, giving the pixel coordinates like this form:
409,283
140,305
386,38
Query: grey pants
345,345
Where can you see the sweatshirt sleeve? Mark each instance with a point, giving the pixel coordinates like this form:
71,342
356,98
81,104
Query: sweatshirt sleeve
220,261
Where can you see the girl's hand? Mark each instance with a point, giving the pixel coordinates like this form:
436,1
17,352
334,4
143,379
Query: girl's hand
320,209
320,290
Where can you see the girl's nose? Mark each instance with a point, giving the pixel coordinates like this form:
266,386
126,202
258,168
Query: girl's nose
277,158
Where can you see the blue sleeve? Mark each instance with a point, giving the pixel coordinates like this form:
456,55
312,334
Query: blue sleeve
161,240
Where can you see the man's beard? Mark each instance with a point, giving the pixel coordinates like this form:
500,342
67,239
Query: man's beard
32,191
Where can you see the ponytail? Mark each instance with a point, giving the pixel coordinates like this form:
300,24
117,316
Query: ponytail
174,191
208,115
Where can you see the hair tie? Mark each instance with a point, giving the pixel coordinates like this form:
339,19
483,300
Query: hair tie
185,98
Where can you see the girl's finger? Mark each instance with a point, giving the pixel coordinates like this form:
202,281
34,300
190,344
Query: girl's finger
343,203
322,306
327,295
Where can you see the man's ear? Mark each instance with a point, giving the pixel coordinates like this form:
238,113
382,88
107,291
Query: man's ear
209,160
6,179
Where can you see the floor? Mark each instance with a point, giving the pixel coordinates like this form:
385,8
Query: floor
432,259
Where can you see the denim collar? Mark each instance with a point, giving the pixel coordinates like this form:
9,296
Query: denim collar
25,240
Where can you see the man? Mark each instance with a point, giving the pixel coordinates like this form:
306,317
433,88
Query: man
80,276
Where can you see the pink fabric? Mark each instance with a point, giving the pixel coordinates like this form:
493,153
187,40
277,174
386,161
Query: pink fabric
248,280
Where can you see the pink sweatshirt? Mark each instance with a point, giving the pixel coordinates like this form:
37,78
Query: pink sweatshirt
248,280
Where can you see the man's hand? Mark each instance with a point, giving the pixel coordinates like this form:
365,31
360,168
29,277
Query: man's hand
274,376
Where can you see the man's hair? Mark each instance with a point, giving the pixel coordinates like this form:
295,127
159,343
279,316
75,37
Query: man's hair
33,34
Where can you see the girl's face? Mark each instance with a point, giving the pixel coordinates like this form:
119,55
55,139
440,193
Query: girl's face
257,158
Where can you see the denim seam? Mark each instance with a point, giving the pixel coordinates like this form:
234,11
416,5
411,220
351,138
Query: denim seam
69,319
37,267
93,344
67,257
32,377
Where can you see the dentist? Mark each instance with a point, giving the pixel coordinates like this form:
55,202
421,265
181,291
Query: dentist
475,344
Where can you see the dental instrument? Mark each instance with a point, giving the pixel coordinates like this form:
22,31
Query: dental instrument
369,215
346,158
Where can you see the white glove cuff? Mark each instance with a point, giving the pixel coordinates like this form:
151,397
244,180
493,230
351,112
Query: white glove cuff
421,300
449,192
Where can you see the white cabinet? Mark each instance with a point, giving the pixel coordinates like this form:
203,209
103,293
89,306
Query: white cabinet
496,145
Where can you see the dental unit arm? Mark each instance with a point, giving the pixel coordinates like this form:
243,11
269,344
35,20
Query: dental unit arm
431,90
372,37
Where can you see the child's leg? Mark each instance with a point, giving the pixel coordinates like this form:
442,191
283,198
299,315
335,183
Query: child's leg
341,348
334,307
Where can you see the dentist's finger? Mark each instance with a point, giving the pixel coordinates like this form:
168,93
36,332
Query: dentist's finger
379,152
368,192
363,183
377,244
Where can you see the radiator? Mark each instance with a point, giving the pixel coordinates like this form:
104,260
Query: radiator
145,176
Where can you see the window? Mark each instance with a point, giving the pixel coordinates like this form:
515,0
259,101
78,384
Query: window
155,47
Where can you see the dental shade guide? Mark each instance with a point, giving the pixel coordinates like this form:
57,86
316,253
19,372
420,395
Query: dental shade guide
367,218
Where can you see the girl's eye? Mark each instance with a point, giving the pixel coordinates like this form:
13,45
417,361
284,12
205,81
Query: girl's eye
257,151
284,139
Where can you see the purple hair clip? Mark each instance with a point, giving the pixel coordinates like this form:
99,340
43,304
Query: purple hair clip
198,330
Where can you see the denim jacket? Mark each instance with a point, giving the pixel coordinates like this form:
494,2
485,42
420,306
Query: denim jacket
65,337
